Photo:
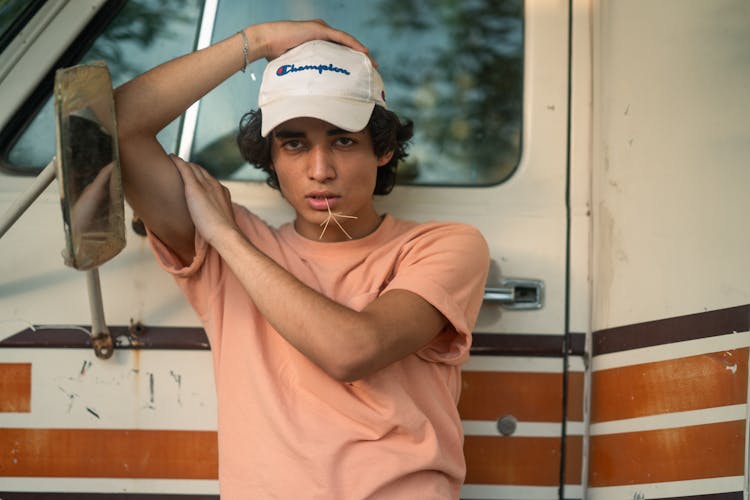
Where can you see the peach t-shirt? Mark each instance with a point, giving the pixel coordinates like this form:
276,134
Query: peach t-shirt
287,430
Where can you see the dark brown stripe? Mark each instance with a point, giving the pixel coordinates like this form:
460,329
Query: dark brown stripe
15,387
125,337
667,331
735,495
521,344
102,496
683,384
109,453
159,337
527,461
678,454
530,397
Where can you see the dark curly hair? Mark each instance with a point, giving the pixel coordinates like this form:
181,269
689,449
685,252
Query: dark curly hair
387,131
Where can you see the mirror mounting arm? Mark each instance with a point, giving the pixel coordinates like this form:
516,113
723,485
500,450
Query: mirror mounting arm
16,210
100,336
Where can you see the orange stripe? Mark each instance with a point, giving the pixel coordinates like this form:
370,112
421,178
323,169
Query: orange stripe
15,387
531,397
530,461
691,383
108,453
680,454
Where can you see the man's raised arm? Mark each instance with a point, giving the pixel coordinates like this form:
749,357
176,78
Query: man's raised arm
146,104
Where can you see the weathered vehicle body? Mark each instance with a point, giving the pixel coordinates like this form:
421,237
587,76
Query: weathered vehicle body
602,148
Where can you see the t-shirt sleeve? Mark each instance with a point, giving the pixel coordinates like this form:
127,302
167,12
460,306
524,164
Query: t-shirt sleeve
203,278
197,280
447,266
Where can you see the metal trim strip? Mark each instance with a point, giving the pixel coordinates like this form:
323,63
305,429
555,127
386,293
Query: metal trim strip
124,337
671,351
671,330
524,344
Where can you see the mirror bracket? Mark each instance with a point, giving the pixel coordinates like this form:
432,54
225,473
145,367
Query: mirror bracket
103,345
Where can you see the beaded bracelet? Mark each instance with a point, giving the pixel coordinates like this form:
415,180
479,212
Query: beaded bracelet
245,49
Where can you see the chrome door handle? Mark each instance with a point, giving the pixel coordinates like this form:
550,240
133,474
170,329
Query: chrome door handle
516,293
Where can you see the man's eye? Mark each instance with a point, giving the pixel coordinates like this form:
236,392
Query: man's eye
345,141
292,145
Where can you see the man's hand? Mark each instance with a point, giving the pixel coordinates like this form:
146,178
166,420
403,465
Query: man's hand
209,201
275,38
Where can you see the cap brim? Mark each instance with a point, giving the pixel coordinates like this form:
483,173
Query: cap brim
346,114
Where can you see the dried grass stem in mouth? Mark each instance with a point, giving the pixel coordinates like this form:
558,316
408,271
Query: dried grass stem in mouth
334,216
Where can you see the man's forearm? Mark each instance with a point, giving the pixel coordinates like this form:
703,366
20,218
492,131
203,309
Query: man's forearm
151,101
333,336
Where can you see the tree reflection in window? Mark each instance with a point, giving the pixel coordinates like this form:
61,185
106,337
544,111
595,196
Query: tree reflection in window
460,78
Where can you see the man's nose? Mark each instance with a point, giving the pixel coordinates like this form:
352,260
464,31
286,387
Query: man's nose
321,167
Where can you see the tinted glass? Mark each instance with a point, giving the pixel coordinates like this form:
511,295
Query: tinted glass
144,34
454,67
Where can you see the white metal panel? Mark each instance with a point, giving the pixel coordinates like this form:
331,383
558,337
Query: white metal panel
672,149
148,389
109,485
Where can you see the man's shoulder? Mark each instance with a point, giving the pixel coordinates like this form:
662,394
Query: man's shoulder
252,224
442,240
437,229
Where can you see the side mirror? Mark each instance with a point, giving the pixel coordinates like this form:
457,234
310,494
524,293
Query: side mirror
88,173
88,166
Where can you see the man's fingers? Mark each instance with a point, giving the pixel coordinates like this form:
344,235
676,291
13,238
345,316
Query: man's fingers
195,176
181,165
190,172
344,38
281,36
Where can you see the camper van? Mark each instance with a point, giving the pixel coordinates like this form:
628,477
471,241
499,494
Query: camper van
601,146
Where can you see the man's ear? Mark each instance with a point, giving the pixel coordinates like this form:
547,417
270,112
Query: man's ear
382,160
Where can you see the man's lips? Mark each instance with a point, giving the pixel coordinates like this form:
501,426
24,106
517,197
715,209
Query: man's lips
321,200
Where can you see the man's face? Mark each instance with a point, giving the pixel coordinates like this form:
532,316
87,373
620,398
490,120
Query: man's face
322,167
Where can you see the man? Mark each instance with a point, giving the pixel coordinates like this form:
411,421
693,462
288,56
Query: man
336,338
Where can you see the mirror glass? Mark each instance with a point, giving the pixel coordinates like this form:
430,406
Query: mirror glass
88,167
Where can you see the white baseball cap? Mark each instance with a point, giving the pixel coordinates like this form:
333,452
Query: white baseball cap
321,80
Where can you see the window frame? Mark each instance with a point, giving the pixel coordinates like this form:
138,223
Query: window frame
26,112
28,12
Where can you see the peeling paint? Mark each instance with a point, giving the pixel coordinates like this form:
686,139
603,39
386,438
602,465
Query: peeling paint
178,379
726,359
86,365
71,397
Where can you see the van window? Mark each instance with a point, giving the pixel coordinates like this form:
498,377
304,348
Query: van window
454,67
142,35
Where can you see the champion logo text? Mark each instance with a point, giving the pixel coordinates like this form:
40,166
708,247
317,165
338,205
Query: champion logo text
320,68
